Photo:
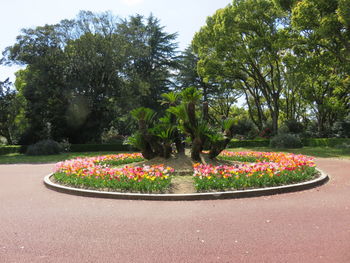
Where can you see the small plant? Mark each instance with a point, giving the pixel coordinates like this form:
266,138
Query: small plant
45,147
65,145
187,119
112,136
3,140
286,140
343,145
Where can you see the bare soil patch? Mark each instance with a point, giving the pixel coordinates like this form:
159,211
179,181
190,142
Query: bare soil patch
182,163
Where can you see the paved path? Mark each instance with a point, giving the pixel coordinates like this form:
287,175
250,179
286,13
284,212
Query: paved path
41,225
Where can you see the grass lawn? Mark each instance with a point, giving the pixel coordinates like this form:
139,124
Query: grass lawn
325,152
22,158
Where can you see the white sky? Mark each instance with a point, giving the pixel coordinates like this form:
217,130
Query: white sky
182,16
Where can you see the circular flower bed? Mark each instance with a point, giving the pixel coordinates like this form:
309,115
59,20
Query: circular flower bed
249,170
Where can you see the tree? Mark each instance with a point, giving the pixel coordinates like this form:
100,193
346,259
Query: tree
322,53
245,43
151,56
84,75
323,89
9,108
41,50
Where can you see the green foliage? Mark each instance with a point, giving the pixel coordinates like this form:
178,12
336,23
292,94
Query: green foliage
245,47
143,114
99,147
342,128
136,140
289,60
325,142
286,140
82,76
294,126
248,143
244,127
45,147
7,149
171,98
10,107
111,136
183,118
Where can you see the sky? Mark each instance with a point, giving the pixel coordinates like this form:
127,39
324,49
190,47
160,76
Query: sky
182,16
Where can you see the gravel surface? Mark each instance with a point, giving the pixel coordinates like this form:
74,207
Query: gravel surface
41,225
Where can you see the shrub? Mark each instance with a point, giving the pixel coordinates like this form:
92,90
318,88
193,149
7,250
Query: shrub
249,143
244,127
66,146
294,126
99,147
3,140
341,128
9,149
285,140
112,136
343,146
44,147
325,142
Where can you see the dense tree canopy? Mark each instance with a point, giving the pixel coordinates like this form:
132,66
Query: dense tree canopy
83,76
287,60
281,58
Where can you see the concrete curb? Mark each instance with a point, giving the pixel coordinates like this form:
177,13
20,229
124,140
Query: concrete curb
323,178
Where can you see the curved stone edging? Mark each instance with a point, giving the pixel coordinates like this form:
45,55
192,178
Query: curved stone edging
194,196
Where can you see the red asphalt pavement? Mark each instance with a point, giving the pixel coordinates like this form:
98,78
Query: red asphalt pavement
41,225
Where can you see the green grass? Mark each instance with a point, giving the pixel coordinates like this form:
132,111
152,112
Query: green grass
324,152
13,158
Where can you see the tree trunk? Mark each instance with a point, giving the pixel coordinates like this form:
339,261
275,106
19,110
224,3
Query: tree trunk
147,152
167,150
205,111
196,149
178,143
191,111
7,135
218,147
274,116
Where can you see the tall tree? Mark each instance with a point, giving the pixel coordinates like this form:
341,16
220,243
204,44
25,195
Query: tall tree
151,56
322,52
41,50
246,41
9,108
86,74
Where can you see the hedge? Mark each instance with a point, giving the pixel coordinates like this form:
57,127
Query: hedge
99,147
313,142
6,149
324,142
249,143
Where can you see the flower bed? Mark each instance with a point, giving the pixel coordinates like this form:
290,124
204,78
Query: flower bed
254,170
269,169
97,172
